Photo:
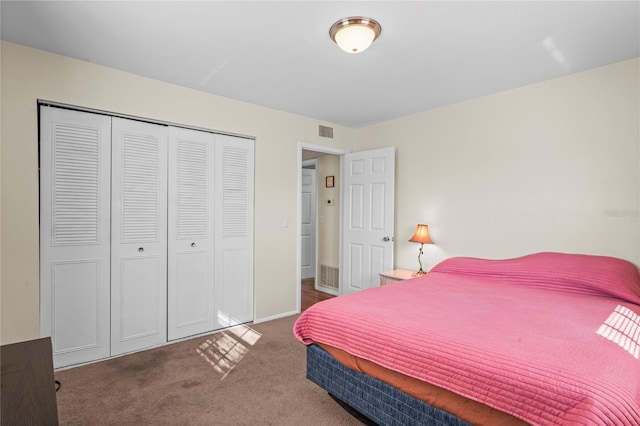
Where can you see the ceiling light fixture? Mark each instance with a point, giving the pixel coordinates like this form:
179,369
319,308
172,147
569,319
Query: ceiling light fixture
355,34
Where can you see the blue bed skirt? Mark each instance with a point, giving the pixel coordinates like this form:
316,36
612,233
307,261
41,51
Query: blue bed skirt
376,400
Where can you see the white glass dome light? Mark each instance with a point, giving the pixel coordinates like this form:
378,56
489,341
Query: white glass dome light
355,34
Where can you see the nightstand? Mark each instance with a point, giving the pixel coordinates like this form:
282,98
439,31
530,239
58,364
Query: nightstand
395,275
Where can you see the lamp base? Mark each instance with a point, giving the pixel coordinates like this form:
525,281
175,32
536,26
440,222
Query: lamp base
417,274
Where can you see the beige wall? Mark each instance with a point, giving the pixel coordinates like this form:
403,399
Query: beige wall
28,75
328,215
551,166
547,167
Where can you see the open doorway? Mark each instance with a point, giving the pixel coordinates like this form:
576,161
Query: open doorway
319,223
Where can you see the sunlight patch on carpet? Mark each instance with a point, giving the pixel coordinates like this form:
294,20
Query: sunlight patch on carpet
224,350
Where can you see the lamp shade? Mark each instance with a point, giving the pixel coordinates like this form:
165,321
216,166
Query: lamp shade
355,34
421,235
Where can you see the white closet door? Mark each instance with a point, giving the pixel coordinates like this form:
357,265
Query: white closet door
138,236
191,219
74,233
234,230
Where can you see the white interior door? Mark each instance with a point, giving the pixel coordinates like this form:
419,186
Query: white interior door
75,183
234,166
190,296
308,224
368,218
138,235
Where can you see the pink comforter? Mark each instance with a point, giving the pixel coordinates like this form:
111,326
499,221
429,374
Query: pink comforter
549,338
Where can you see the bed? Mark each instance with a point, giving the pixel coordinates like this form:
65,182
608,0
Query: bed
548,338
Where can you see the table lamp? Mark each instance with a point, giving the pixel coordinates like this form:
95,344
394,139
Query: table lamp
421,236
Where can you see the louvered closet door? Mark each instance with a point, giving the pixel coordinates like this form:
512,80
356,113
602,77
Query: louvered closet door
234,230
74,234
138,236
191,219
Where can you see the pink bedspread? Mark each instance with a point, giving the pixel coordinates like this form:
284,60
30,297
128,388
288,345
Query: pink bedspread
493,331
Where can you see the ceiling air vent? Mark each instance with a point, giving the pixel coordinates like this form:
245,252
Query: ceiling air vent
326,132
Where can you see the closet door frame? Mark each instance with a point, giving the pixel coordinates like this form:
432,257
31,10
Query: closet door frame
104,347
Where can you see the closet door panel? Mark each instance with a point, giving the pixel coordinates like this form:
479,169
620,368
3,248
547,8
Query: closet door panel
76,295
74,234
138,237
190,230
141,310
234,230
192,310
234,294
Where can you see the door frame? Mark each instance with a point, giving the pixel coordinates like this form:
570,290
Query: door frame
327,150
305,163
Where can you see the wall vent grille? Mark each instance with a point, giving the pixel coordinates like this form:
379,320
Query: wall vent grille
326,132
329,277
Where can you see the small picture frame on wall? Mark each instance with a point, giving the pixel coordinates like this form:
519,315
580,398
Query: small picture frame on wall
328,181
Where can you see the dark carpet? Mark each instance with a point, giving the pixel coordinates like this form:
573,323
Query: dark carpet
247,375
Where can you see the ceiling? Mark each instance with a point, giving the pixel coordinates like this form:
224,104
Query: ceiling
279,54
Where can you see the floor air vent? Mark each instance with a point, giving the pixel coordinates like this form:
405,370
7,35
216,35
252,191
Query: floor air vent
329,277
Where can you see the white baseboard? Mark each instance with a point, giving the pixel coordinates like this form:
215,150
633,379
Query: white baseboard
274,317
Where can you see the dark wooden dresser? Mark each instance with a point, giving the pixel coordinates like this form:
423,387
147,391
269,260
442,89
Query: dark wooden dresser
27,388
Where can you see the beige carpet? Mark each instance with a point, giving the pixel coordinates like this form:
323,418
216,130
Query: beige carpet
248,375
